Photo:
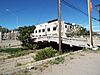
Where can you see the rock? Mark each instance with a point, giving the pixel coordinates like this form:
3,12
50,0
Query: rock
95,48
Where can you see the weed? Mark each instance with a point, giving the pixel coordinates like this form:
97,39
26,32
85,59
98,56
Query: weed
18,64
81,54
71,53
86,49
57,61
71,58
15,52
98,49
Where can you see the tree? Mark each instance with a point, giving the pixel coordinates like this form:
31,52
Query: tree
3,30
81,31
78,31
24,36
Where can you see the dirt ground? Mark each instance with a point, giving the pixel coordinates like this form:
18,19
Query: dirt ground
7,66
85,63
82,63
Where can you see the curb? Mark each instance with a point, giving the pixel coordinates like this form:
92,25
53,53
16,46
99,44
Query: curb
31,65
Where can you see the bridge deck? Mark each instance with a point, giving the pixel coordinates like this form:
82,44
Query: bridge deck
80,42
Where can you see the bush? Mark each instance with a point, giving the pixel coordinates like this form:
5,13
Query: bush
98,49
31,46
15,52
87,49
10,50
45,53
20,53
35,46
18,64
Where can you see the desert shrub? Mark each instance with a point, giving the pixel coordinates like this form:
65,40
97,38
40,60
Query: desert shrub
45,53
35,46
20,53
24,48
15,52
86,49
98,49
18,64
10,50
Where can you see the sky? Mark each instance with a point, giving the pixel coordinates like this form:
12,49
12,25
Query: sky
15,13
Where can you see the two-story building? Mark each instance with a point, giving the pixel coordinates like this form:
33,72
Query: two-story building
13,35
51,27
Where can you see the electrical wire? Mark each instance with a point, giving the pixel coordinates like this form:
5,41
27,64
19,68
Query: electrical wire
77,9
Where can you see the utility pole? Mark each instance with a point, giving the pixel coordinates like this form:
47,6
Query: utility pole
59,22
90,21
98,8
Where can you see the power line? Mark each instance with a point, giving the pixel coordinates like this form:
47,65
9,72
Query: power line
72,6
77,9
16,11
98,0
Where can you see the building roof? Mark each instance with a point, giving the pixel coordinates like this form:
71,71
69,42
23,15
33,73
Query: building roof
68,23
52,20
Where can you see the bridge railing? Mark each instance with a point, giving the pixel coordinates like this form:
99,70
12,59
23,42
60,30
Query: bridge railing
63,38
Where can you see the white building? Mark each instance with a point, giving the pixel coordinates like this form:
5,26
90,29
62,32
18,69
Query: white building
50,28
13,35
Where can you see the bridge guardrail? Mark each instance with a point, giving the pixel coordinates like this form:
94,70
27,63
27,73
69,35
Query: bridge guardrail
64,38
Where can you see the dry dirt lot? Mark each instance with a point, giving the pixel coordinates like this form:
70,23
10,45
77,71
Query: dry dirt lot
79,64
82,63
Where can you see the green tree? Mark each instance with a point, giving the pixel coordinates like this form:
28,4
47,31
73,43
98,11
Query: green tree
24,36
80,31
3,30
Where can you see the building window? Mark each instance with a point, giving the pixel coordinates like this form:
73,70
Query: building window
65,26
43,30
70,27
39,31
54,28
36,31
48,29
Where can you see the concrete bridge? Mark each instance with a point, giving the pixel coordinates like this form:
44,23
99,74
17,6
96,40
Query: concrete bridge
79,42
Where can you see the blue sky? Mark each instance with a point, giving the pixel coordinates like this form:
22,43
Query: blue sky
32,12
